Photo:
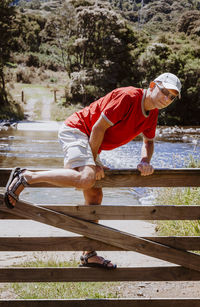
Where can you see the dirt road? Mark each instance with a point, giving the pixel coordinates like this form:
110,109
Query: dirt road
38,103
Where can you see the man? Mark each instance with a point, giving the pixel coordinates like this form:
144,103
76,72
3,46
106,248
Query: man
105,124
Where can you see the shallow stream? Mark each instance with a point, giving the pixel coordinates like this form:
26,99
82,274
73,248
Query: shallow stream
35,145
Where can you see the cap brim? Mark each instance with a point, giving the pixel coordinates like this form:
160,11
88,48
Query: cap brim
171,87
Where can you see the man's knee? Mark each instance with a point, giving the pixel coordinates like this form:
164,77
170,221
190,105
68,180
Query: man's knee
87,178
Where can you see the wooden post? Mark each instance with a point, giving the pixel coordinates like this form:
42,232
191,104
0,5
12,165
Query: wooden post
22,96
55,99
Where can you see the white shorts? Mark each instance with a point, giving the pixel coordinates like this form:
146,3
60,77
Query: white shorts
76,148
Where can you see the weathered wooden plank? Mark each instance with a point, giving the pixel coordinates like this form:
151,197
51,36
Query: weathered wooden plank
160,178
83,243
185,243
113,212
132,178
53,244
8,216
133,302
107,235
124,212
96,275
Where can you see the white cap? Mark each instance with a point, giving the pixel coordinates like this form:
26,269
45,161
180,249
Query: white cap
170,81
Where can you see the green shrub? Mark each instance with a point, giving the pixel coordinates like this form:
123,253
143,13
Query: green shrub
24,75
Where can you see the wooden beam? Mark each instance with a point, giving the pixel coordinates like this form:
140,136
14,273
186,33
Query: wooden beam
124,212
160,178
8,216
113,212
53,244
133,302
83,243
107,235
53,274
131,178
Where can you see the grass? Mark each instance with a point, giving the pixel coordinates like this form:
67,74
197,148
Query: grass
179,196
63,290
59,112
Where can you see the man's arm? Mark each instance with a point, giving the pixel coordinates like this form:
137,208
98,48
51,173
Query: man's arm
95,141
146,153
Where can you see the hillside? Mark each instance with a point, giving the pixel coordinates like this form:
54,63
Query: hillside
87,39
154,15
150,15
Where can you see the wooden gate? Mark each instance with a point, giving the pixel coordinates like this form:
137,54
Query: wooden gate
94,236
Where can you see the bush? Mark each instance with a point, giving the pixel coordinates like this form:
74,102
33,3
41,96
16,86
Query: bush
24,75
178,55
11,110
189,22
33,60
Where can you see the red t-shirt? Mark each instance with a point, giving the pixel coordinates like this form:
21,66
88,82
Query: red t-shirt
123,109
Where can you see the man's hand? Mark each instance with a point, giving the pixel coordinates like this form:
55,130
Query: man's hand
100,172
145,168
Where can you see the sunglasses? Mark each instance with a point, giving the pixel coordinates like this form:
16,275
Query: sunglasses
166,92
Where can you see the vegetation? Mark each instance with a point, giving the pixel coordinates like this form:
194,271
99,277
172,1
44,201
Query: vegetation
8,108
178,54
59,112
156,15
180,196
61,290
98,42
101,45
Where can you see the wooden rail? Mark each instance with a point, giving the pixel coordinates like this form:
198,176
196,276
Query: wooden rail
136,302
94,236
114,212
86,274
188,177
80,243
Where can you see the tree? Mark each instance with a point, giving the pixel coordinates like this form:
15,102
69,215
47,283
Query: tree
102,52
7,15
189,22
57,33
185,63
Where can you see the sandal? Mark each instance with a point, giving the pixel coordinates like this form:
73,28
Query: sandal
17,172
85,263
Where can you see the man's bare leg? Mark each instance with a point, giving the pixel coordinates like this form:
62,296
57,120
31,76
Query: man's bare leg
94,196
82,179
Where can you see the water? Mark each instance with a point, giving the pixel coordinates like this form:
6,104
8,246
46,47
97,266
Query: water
33,147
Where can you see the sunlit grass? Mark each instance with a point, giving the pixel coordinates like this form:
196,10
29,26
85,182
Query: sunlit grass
179,196
59,112
63,290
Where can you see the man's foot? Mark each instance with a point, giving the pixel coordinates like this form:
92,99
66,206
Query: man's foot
16,183
91,259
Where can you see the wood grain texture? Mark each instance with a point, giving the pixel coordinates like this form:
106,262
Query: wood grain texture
169,273
133,302
132,178
123,212
82,243
107,235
